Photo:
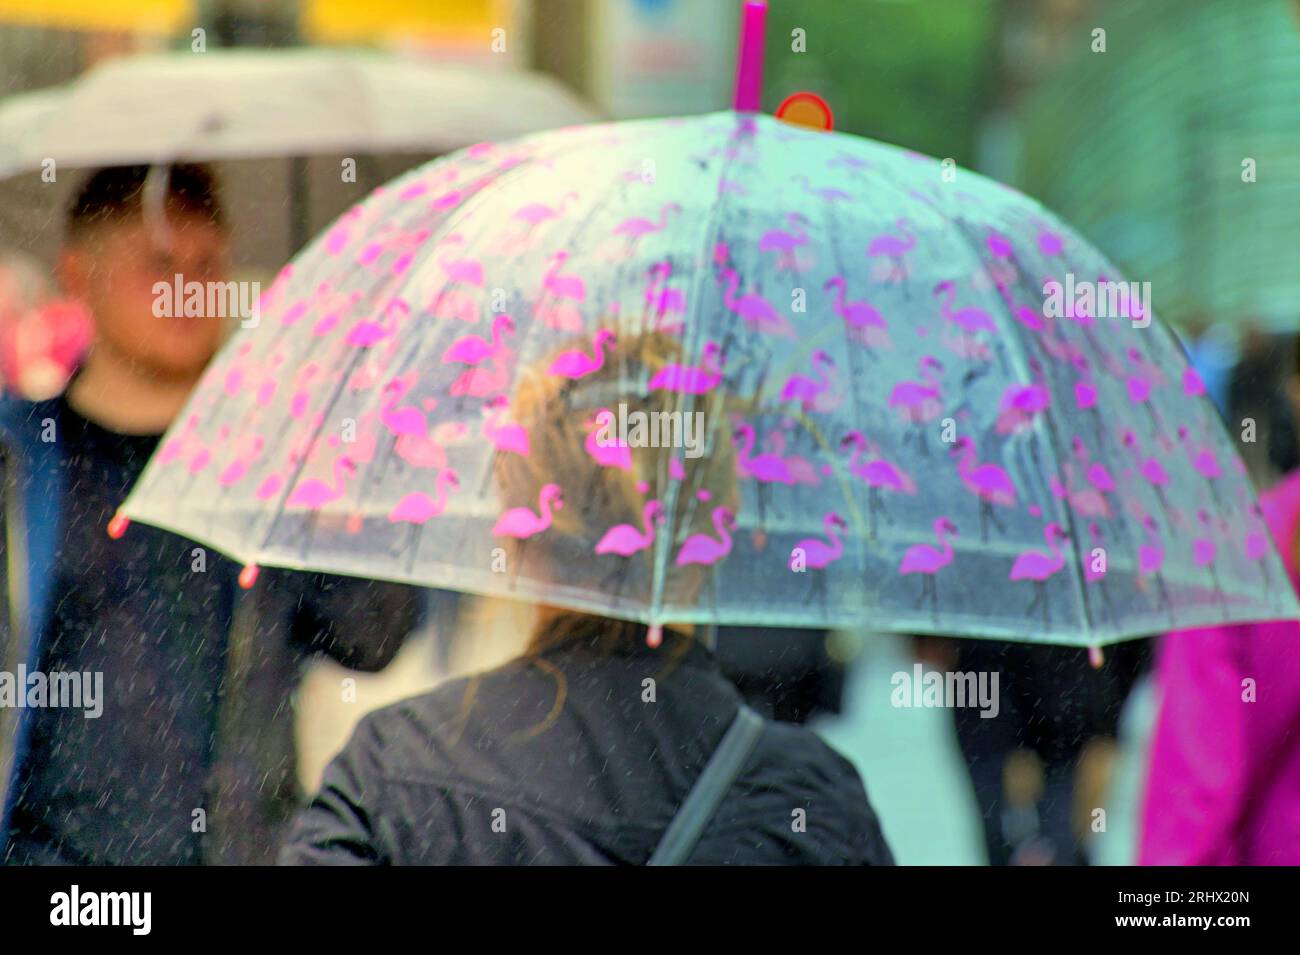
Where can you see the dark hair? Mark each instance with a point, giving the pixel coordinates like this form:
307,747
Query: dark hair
116,193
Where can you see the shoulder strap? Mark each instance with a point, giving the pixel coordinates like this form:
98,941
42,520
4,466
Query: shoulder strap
702,801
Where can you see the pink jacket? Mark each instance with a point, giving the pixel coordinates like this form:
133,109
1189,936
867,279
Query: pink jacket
1224,781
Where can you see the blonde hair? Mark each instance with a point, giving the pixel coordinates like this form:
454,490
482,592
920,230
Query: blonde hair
558,413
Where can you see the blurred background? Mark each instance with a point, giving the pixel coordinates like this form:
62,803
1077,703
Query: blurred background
1166,130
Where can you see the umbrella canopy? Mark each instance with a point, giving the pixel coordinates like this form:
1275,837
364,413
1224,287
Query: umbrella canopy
881,422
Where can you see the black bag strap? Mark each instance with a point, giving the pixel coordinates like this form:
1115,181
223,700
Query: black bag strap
682,834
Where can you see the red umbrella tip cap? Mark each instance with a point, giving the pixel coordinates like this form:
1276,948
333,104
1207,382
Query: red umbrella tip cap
248,576
808,110
1095,657
654,636
118,525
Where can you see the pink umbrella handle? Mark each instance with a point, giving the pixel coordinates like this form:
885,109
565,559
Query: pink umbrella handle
749,59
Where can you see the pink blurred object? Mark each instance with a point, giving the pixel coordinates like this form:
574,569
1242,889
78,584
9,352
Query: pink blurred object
42,339
1224,781
749,59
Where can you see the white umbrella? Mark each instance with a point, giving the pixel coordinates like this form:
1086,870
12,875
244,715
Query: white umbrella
242,107
242,104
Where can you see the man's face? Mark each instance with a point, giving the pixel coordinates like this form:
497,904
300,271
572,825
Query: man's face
114,270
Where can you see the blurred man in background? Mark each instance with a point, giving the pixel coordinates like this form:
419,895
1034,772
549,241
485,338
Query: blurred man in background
191,757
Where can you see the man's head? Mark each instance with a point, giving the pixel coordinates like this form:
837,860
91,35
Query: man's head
129,228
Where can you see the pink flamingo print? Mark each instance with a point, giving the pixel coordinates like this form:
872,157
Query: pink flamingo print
801,469
462,271
785,243
817,553
703,549
988,482
635,228
1205,550
1152,471
616,455
968,319
894,248
877,473
920,402
427,451
314,494
865,324
813,392
825,193
1151,561
535,213
504,436
766,468
663,300
474,350
408,420
483,380
522,523
1021,404
1203,460
1038,566
563,285
576,363
368,333
754,310
418,507
928,560
690,379
626,539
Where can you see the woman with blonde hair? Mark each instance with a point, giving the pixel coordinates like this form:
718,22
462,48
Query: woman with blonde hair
604,743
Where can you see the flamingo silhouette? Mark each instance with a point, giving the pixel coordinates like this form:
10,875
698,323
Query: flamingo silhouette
616,455
877,474
418,507
928,560
864,322
625,539
1036,566
576,363
1151,561
522,523
766,468
811,391
505,436
474,350
754,310
894,248
784,243
968,319
703,549
688,379
920,401
315,493
817,553
560,285
635,227
988,482
535,213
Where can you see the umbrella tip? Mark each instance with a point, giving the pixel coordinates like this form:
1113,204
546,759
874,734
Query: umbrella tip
118,525
1096,657
749,59
248,576
654,636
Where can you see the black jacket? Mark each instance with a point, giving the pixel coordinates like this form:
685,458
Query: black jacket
577,758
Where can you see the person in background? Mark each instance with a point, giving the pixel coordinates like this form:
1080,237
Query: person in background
1223,785
560,756
190,757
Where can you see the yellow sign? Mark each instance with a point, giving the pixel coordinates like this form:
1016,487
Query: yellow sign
136,16
343,21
